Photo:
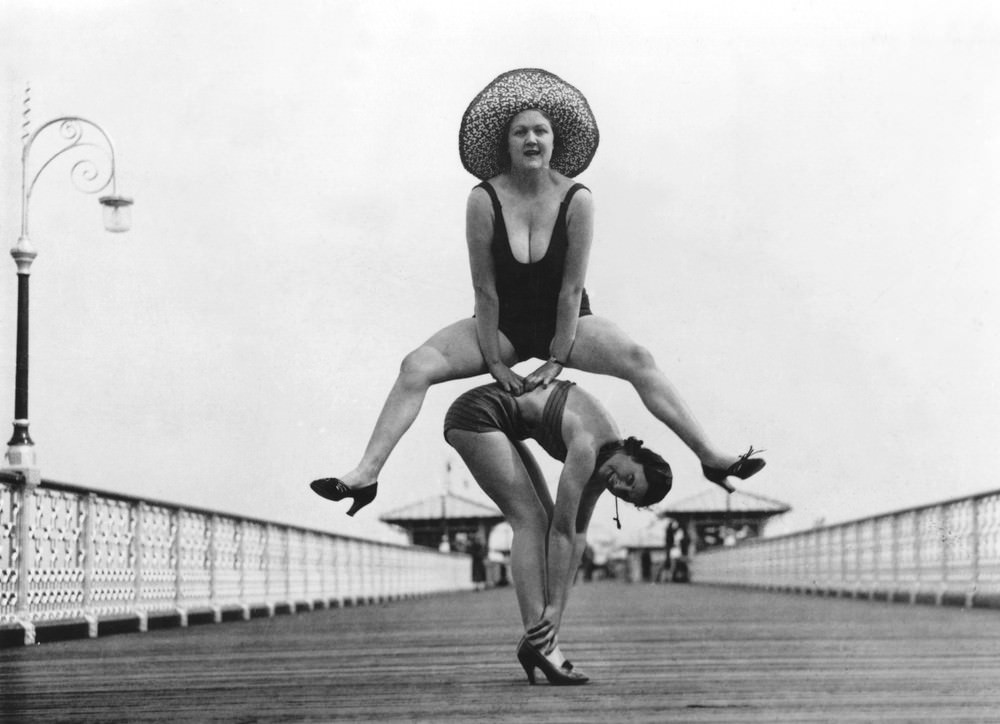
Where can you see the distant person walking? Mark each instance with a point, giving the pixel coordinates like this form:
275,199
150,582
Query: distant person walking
677,543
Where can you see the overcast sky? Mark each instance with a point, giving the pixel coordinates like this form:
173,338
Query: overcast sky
796,212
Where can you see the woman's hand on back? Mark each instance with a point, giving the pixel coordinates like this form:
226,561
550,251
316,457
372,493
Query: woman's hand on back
508,379
543,376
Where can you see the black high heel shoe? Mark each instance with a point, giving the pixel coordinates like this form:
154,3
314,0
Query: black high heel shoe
531,659
334,489
742,469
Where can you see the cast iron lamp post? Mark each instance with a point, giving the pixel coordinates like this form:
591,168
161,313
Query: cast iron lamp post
75,139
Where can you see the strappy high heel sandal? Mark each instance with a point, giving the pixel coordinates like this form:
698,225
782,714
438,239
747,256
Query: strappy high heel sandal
742,469
334,489
531,659
542,629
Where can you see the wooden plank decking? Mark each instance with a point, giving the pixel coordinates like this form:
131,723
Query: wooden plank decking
655,653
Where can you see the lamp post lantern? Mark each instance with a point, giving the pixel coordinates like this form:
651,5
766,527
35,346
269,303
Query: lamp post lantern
91,156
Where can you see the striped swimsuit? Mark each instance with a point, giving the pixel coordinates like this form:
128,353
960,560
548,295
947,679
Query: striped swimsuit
489,407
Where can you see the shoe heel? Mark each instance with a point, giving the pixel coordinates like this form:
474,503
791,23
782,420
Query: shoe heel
356,506
529,668
360,501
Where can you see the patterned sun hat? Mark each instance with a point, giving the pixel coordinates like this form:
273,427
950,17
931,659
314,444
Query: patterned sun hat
486,119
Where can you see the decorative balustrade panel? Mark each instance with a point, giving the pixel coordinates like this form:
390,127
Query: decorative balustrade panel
55,556
195,562
10,550
987,550
907,552
227,563
867,550
112,566
948,552
884,556
957,540
255,563
156,585
931,541
67,553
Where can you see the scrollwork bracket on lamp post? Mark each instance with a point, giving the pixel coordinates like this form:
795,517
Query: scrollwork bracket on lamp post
76,140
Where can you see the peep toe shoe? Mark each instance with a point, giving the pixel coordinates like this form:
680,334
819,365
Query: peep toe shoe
742,469
334,489
531,659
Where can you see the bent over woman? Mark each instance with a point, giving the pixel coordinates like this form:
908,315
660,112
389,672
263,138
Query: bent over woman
487,426
529,229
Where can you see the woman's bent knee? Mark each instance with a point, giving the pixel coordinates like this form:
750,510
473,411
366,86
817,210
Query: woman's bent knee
637,360
422,366
528,517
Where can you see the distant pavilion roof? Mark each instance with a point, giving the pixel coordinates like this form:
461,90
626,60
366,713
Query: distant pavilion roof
717,500
450,506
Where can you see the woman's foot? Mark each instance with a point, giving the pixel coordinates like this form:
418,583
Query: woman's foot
558,659
531,658
742,467
335,489
356,479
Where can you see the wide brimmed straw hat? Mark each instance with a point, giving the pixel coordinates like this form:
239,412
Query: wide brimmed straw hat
486,121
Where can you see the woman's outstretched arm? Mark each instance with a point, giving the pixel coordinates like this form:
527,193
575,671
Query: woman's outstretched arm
479,237
568,532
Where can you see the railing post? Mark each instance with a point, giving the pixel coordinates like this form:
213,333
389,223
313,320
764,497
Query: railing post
138,539
858,558
286,559
818,572
942,527
268,569
24,521
842,586
361,589
89,503
178,551
894,554
876,553
917,562
241,530
970,595
210,562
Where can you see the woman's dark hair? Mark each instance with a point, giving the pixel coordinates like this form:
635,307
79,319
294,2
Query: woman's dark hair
503,151
659,478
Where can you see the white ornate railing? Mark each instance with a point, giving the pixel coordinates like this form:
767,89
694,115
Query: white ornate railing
68,555
948,553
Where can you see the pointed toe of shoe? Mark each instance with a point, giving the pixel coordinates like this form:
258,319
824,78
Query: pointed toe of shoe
330,488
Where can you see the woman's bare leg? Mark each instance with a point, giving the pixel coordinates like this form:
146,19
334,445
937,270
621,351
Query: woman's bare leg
451,354
499,469
545,498
537,478
601,347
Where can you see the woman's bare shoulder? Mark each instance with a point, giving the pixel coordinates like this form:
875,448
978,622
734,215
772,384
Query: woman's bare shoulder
479,202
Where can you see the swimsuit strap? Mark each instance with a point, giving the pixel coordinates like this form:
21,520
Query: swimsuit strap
564,209
572,190
493,197
500,226
496,199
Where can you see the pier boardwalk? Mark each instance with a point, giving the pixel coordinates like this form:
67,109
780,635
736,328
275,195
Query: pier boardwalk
656,653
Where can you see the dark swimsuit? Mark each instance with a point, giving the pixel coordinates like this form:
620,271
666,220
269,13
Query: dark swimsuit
489,407
529,293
